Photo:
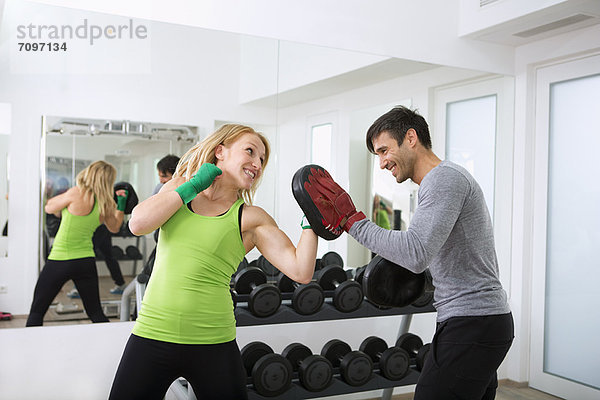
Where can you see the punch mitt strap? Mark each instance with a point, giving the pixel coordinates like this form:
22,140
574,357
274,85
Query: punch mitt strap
389,285
132,198
307,200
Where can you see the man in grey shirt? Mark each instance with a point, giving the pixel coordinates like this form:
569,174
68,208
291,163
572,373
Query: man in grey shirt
451,233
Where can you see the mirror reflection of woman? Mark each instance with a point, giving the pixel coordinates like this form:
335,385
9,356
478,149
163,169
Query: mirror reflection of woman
186,325
82,209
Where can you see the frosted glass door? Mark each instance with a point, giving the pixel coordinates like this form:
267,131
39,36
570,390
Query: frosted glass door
471,140
565,352
571,348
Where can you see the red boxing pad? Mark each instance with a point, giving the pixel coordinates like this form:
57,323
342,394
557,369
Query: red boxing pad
318,209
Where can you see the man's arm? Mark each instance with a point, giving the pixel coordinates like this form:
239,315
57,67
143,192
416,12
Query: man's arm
441,200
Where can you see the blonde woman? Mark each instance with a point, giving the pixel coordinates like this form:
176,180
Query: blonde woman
82,209
186,326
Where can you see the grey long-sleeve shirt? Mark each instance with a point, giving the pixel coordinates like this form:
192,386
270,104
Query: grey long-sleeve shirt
451,233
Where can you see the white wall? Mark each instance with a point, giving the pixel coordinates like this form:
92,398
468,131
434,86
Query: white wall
424,31
474,18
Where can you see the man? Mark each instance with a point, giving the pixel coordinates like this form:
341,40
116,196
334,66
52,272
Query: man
451,233
165,168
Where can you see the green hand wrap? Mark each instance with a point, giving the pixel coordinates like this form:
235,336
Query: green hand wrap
304,223
203,179
122,201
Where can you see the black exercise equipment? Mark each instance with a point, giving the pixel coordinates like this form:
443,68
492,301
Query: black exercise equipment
306,299
132,198
264,299
347,294
332,258
307,205
243,264
393,362
315,372
387,284
414,347
117,252
359,273
133,252
270,373
428,291
355,366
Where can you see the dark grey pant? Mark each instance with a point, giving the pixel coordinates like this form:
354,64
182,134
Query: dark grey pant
465,354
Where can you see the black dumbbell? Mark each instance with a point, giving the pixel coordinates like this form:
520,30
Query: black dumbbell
347,295
264,299
332,258
270,373
306,299
243,264
359,273
393,362
415,349
355,366
315,372
117,252
428,291
133,252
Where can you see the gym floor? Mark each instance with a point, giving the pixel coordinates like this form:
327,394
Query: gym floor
507,391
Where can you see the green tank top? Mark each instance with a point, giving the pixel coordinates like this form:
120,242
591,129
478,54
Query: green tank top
74,237
187,300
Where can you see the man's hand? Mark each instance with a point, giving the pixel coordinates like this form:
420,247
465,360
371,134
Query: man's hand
333,202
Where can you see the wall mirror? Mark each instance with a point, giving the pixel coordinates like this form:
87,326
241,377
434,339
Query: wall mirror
133,121
5,127
4,180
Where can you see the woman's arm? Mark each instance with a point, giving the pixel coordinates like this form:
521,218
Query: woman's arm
151,213
55,204
114,220
297,263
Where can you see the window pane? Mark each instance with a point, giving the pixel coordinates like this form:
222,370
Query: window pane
321,145
571,328
471,140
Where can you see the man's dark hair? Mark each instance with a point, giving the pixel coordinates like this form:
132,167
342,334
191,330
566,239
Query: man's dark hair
396,122
167,164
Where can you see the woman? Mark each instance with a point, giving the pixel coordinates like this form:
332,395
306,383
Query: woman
82,209
186,326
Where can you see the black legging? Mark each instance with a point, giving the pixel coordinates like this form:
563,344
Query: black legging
52,278
103,242
148,367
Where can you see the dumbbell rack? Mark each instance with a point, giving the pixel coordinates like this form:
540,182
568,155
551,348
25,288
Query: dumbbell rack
286,315
339,387
126,233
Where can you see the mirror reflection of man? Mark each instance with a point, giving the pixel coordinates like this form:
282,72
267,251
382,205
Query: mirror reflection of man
165,168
